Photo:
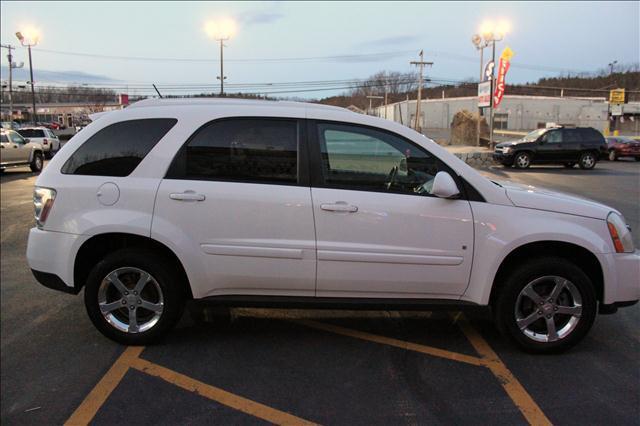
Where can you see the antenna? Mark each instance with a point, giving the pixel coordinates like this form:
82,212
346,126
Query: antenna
157,91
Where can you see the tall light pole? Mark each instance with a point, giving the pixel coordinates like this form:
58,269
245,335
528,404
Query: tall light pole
221,30
29,39
611,65
492,33
480,45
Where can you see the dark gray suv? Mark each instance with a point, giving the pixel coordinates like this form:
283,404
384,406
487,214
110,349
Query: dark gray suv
557,145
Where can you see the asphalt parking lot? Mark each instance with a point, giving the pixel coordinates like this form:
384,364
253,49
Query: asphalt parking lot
326,367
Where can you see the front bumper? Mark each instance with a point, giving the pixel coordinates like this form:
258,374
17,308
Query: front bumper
628,152
621,277
501,157
52,254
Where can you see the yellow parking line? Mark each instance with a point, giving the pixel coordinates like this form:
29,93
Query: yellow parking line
429,350
216,394
99,394
525,403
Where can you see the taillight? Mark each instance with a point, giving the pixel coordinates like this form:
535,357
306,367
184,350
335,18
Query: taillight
44,141
43,199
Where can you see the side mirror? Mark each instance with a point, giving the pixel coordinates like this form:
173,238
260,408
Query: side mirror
27,140
444,186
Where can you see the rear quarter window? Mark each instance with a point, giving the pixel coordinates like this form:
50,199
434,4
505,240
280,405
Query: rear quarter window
117,149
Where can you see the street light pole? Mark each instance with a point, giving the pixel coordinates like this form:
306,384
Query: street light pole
28,43
493,59
222,77
12,66
33,91
480,45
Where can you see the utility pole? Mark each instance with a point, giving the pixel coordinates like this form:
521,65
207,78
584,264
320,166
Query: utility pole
371,98
421,63
493,87
12,66
386,94
221,77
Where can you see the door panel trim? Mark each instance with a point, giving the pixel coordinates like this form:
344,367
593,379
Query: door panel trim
252,251
410,259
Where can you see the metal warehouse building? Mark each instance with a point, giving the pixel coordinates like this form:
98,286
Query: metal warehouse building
519,112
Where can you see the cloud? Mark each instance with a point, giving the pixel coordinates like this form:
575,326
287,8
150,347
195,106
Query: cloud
44,76
390,41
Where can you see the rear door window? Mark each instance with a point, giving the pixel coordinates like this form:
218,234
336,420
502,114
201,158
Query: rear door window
32,133
117,149
256,150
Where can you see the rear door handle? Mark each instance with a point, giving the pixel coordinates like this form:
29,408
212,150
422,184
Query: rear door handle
187,196
339,206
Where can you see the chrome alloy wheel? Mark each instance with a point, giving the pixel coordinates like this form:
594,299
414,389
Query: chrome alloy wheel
588,161
523,161
548,309
131,300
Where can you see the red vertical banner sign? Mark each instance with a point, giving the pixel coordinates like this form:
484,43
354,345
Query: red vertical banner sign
503,67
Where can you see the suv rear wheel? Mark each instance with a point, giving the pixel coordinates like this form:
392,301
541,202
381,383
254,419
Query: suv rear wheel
133,297
36,162
547,305
522,160
587,160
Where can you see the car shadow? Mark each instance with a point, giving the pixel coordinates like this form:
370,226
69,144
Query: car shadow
560,170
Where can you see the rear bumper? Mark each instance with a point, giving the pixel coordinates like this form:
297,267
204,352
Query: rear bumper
53,253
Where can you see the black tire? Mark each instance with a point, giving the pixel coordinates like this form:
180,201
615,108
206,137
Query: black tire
505,304
522,160
587,160
160,270
637,158
613,156
569,165
36,162
49,154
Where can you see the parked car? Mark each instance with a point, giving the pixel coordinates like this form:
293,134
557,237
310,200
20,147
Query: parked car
623,146
238,202
10,125
18,151
556,145
44,136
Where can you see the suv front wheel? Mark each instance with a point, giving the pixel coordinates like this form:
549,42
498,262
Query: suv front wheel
587,160
522,160
133,297
547,305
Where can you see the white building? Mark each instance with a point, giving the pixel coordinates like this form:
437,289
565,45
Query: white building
518,112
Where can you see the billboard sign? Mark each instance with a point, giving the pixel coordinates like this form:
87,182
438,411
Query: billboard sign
616,96
484,94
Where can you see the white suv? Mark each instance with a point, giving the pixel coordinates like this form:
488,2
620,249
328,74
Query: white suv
278,203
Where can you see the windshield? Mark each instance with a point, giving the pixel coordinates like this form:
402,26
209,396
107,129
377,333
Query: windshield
534,135
623,139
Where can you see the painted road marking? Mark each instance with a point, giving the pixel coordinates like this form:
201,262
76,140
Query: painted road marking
99,394
402,344
489,359
520,397
216,394
130,358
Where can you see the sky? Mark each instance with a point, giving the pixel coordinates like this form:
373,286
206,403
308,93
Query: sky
360,39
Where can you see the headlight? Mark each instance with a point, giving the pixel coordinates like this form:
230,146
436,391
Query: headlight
620,233
507,150
43,199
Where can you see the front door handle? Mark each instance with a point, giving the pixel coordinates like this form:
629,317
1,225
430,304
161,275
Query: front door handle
187,196
339,206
